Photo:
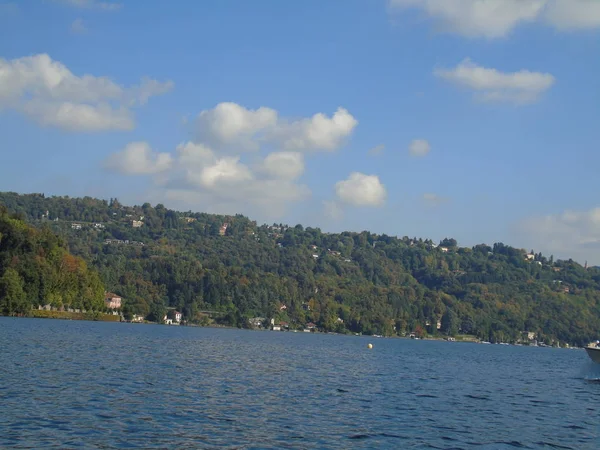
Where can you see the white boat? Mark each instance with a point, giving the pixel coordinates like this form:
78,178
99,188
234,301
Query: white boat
593,351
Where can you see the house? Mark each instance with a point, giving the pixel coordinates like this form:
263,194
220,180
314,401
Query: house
175,321
314,247
276,328
136,223
530,335
444,249
315,256
76,226
98,226
530,256
223,229
282,307
112,301
137,319
311,326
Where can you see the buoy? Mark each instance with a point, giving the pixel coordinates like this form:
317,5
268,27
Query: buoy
370,345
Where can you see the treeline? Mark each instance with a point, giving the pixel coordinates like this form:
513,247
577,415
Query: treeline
36,269
358,282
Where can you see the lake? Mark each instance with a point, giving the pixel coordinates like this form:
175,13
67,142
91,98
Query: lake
70,384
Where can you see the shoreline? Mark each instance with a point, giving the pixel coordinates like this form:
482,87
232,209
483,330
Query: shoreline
103,317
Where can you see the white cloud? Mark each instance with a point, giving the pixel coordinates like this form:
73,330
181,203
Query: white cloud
137,158
194,175
78,27
234,126
492,85
497,18
230,123
419,147
79,116
433,199
574,14
224,171
288,165
190,154
47,91
361,190
93,4
571,234
211,174
316,133
377,150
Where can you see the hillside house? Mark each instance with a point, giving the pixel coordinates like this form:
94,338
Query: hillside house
136,223
223,229
112,301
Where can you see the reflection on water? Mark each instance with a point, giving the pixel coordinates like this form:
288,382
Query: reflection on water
67,384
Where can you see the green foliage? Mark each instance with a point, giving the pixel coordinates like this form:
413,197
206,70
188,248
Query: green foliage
346,282
37,269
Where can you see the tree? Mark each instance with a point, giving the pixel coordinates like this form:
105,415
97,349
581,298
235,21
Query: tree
12,295
449,324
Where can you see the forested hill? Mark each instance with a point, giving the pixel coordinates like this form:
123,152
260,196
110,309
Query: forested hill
362,282
36,268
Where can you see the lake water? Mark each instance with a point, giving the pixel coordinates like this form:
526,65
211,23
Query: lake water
68,384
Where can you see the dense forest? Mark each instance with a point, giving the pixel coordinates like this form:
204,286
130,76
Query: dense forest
234,269
36,268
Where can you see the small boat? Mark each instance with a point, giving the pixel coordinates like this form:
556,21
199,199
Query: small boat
593,351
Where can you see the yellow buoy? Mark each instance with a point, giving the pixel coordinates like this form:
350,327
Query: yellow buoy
370,345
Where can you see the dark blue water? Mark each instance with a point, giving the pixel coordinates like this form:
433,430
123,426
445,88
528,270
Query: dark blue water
66,384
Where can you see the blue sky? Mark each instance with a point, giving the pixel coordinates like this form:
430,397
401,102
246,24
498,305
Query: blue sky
473,119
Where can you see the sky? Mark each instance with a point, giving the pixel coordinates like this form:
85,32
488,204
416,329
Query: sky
472,119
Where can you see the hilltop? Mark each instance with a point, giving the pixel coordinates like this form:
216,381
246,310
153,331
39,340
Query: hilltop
157,258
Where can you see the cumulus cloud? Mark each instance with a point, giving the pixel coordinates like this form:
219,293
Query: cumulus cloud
195,176
574,14
377,150
137,158
497,18
92,4
419,147
570,234
316,133
492,85
288,165
48,92
231,125
361,190
213,174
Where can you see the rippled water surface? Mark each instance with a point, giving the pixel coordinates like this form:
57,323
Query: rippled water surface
66,384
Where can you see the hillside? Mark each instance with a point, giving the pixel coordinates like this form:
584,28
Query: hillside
360,282
36,269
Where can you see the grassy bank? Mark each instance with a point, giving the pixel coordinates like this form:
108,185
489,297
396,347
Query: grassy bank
74,316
